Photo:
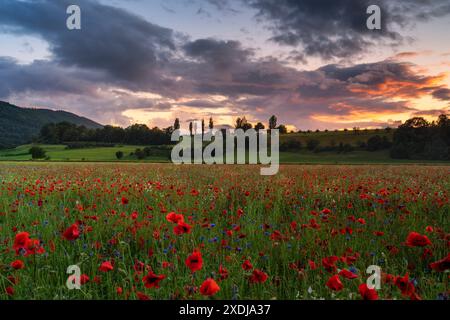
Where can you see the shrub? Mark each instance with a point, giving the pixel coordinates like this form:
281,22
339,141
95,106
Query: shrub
291,145
37,152
119,155
312,144
140,154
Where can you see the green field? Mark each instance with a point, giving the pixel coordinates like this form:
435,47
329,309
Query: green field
59,153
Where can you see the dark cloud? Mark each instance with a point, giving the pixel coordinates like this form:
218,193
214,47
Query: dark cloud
44,76
223,55
225,67
111,39
442,94
337,28
203,104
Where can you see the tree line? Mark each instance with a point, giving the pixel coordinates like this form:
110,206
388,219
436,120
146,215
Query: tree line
136,134
415,139
419,139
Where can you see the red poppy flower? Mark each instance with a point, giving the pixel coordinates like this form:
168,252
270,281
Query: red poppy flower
276,236
84,279
209,287
334,283
441,265
329,263
119,290
347,274
366,293
258,276
26,246
223,273
194,261
152,280
17,264
72,233
9,291
175,218
106,266
21,240
124,201
312,265
247,265
405,286
415,239
181,228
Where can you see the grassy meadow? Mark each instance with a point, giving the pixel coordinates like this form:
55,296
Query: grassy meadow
159,231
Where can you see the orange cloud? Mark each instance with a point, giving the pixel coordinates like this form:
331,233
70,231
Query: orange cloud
403,89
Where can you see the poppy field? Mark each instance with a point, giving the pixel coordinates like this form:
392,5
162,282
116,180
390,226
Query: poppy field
160,231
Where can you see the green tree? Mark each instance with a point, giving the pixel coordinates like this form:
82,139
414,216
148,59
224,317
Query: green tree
273,122
119,155
238,124
140,154
211,123
312,144
37,152
259,126
176,124
282,128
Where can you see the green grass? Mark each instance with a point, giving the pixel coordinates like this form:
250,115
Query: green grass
44,199
59,153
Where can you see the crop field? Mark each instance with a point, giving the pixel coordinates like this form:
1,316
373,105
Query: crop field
160,231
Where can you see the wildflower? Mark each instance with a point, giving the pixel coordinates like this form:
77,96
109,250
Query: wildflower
334,283
194,262
182,228
247,265
347,274
415,239
106,266
209,287
258,276
152,280
17,264
366,293
441,265
72,233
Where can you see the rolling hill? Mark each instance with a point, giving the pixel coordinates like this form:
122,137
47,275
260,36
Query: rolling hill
19,125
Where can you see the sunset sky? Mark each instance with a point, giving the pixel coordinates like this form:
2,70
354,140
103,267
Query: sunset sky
312,63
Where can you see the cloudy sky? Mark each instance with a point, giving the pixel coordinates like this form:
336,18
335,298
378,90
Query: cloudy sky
312,63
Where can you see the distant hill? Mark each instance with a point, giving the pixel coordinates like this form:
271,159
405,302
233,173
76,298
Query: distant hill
19,125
